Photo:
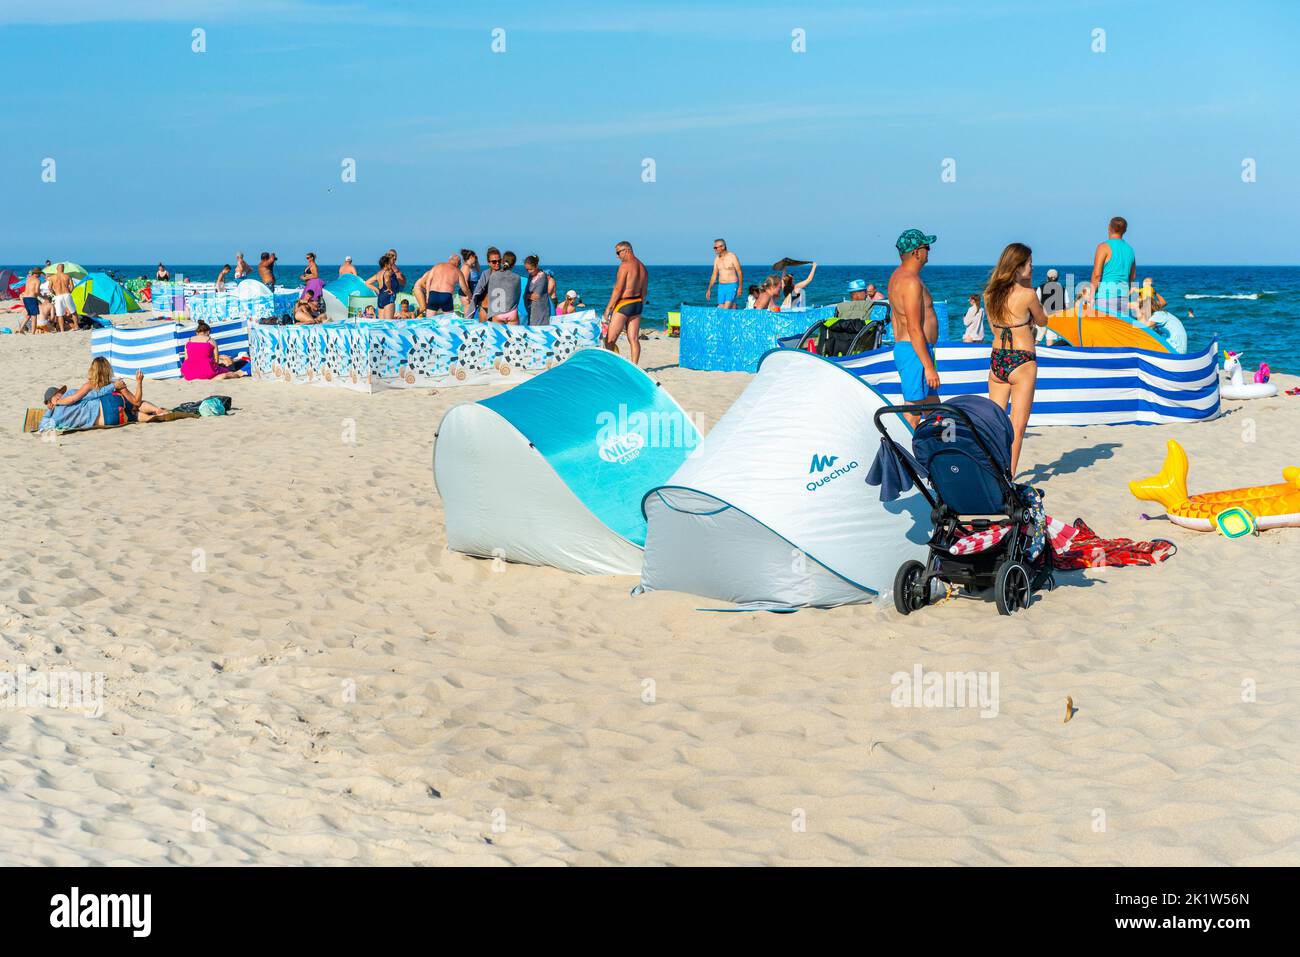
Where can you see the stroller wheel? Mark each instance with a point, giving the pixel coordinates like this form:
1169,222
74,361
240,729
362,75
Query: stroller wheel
909,596
1012,590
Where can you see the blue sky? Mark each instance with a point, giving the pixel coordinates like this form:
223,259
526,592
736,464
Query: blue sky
826,154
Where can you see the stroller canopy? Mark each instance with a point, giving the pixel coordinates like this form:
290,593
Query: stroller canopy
937,433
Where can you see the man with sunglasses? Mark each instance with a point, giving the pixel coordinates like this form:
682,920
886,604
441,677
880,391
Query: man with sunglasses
626,302
726,273
916,327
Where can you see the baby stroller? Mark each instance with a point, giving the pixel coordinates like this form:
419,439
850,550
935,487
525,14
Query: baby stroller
961,464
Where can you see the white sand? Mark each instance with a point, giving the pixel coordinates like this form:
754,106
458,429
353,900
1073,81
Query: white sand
517,695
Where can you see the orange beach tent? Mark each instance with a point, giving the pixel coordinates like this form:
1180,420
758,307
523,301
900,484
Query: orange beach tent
1090,328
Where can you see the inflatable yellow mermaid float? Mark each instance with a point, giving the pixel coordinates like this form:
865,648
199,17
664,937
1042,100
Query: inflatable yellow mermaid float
1234,512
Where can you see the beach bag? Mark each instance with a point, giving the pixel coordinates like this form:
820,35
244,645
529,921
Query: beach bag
211,406
195,407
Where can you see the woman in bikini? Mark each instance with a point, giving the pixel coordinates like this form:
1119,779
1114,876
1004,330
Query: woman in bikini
1013,310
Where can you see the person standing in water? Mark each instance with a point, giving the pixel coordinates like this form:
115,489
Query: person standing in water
727,274
1114,267
1013,312
626,302
916,327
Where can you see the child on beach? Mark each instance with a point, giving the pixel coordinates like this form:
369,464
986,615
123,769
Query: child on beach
204,361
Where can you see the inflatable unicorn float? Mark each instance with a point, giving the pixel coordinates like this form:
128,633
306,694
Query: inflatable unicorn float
1237,387
1258,507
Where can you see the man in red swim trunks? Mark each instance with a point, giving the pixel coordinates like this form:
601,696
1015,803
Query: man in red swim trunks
626,302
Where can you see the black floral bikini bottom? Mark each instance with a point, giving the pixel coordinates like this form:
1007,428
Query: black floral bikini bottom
1003,362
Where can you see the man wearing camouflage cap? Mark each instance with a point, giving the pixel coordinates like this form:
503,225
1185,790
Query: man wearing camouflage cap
916,328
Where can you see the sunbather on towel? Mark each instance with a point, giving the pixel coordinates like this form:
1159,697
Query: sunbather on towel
96,404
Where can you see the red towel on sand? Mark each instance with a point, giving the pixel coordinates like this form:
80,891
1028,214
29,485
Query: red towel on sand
1089,551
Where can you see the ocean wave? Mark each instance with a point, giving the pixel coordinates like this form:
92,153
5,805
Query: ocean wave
1234,295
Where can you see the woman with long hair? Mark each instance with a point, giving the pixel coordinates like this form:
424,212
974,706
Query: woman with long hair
1013,310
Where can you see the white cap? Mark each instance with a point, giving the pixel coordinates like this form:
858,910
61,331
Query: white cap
1052,274
347,259
571,294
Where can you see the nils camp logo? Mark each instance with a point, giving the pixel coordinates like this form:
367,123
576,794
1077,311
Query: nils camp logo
621,449
824,466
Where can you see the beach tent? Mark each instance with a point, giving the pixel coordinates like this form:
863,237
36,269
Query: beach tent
340,292
1094,329
773,510
72,269
552,472
101,295
11,284
253,289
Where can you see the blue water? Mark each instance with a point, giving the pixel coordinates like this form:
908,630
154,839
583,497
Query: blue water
1252,309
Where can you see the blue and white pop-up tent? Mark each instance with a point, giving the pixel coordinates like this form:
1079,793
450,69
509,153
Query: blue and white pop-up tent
552,472
773,509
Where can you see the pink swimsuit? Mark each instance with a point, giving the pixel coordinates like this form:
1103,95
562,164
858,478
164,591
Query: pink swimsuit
200,361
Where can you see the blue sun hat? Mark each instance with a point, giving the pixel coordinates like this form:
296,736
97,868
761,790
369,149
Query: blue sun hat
857,285
913,239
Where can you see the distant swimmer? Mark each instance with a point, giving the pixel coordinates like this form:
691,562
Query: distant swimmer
627,301
435,290
726,273
312,271
1114,267
347,269
916,327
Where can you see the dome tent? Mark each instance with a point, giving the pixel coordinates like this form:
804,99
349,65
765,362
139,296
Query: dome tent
773,510
552,472
101,295
342,292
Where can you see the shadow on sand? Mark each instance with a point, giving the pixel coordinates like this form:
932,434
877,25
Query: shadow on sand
1073,461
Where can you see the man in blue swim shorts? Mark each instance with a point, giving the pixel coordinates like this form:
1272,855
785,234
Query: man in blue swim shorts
916,328
726,273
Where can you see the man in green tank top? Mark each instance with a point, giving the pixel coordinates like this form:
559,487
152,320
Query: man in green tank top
1114,267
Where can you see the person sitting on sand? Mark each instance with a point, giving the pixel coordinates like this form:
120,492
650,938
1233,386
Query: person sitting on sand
571,303
307,312
406,312
204,361
874,294
1147,302
769,294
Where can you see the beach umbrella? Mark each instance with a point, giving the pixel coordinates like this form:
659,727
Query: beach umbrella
8,281
72,269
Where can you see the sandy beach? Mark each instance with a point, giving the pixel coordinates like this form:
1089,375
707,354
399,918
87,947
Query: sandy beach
297,670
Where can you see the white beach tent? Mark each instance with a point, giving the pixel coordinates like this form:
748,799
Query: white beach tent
552,472
773,509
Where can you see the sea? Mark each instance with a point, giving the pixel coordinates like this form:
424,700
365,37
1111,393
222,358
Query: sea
1251,309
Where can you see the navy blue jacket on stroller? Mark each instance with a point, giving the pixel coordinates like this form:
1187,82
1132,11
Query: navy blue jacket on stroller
961,462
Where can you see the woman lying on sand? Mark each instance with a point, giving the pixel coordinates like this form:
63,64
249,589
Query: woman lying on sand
99,402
